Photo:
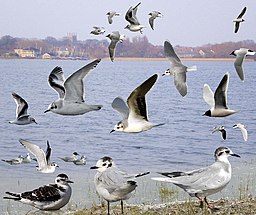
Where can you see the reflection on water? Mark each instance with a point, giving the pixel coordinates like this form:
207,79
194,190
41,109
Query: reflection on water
184,142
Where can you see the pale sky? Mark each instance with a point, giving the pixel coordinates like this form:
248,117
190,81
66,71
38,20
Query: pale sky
185,22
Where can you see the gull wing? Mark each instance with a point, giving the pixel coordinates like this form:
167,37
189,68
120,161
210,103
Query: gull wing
56,81
220,95
112,46
130,15
136,101
243,130
22,105
238,65
197,180
208,95
74,83
151,22
48,152
120,106
114,181
36,151
180,80
244,133
237,24
45,193
170,53
242,13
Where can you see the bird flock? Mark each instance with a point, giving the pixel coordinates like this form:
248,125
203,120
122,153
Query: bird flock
111,183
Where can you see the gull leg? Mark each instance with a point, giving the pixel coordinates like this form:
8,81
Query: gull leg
122,206
108,208
201,201
210,206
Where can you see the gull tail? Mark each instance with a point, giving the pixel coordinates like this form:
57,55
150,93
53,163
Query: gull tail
15,197
192,69
161,179
141,174
96,107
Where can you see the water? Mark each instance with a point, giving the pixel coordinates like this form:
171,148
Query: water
183,143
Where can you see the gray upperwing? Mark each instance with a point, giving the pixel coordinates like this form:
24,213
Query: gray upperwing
170,53
238,66
180,81
151,22
74,83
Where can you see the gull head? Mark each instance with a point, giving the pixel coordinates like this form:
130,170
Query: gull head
53,106
62,179
127,27
118,127
32,120
167,72
207,113
222,154
103,164
54,165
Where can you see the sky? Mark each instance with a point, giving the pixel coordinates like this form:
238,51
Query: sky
184,22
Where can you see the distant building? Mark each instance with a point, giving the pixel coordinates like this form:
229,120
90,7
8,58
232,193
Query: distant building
72,37
46,56
25,53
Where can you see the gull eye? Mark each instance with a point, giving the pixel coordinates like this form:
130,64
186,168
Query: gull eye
58,180
220,153
104,164
227,151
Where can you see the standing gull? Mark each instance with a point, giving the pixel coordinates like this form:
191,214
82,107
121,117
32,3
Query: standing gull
43,159
135,115
110,15
71,158
239,19
218,100
178,70
22,118
206,181
48,197
130,16
111,183
14,161
243,130
240,56
115,37
153,15
81,161
71,91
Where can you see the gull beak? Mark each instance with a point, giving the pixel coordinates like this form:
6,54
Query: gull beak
46,111
94,167
163,74
68,181
111,131
236,155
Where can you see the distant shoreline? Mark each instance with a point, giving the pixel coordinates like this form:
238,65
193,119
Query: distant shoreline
136,59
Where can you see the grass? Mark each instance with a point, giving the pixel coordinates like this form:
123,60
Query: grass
244,204
225,207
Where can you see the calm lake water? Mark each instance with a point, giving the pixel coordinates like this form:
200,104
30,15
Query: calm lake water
185,141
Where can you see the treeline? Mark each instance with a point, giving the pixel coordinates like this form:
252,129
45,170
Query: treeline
135,47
